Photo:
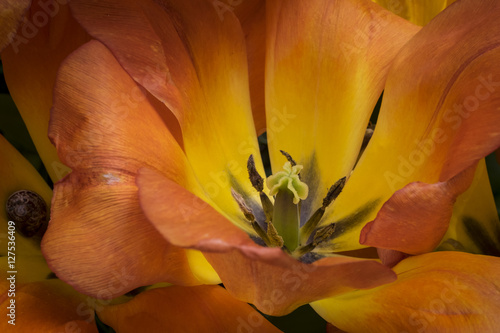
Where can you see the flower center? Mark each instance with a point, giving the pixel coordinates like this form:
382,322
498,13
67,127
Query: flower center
282,226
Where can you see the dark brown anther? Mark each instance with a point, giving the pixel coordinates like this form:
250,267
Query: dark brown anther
275,239
311,224
323,234
258,183
256,180
247,212
334,191
288,157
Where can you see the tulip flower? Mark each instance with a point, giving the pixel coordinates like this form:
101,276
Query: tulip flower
154,117
96,208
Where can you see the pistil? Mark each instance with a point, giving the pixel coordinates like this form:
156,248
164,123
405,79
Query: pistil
289,190
286,219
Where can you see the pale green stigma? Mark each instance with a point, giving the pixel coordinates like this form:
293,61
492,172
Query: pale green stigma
288,179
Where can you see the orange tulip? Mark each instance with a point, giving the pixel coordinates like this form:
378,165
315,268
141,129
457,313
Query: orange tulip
154,117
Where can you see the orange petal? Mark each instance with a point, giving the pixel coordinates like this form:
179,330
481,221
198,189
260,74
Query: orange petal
326,65
439,116
266,277
30,64
105,129
45,306
11,15
391,257
435,292
416,217
185,309
194,61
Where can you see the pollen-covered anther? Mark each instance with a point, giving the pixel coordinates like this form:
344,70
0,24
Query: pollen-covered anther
334,192
247,212
323,234
309,227
255,178
288,158
288,179
258,183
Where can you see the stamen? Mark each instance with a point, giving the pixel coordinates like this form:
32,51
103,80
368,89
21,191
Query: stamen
323,234
258,183
288,157
275,239
308,228
334,191
256,180
300,251
247,212
366,139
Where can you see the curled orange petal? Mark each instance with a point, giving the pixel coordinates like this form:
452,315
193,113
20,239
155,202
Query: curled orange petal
105,129
191,57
